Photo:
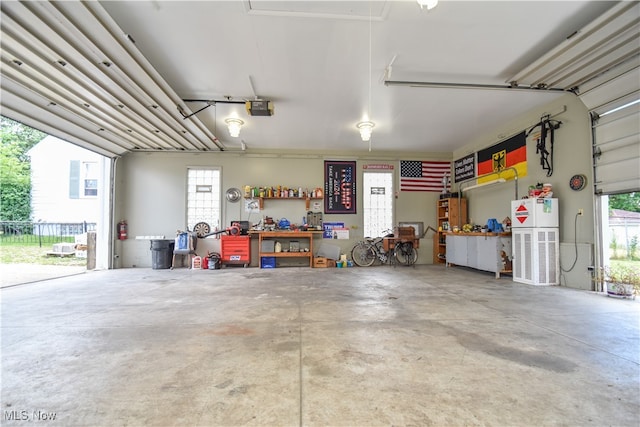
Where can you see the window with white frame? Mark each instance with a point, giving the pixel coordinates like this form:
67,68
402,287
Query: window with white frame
203,197
377,202
90,179
83,179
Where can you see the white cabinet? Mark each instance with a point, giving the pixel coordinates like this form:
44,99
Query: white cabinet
482,251
536,259
457,252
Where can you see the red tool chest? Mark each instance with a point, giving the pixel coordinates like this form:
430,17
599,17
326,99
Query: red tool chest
236,250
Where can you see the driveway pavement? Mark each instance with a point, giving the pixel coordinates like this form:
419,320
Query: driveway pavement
16,274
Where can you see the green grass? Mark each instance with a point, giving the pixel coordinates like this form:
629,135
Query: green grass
635,264
32,253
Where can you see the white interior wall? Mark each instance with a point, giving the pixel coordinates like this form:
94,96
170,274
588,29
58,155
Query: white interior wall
572,155
576,260
151,187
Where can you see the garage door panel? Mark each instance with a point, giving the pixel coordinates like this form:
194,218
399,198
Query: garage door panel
622,128
617,165
616,135
618,186
589,66
616,88
618,151
618,109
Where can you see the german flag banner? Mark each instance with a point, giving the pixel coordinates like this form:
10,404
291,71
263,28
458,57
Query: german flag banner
510,153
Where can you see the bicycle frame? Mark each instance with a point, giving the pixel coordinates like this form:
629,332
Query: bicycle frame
381,254
365,253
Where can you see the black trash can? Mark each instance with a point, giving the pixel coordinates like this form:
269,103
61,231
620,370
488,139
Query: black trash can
161,254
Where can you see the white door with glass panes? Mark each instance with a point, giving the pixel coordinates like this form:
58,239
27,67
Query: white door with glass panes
377,202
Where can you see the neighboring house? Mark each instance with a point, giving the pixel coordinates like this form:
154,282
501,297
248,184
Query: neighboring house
65,182
624,225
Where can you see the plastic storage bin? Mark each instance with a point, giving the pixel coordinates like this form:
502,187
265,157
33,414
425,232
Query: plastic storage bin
268,262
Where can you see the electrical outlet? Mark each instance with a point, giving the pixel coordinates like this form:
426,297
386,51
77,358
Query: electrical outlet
580,211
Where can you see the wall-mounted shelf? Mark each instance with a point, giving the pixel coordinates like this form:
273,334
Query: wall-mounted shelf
306,199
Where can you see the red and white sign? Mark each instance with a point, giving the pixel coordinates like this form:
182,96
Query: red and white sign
522,214
378,166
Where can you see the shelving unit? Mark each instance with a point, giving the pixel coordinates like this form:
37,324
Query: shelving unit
288,235
450,212
306,199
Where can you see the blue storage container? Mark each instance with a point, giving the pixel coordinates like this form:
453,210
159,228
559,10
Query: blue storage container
268,262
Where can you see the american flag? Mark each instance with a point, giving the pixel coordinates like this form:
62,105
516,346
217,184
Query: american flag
423,176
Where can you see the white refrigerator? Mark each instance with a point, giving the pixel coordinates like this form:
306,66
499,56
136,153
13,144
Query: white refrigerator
535,241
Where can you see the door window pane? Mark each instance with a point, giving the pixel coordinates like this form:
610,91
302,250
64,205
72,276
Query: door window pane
377,203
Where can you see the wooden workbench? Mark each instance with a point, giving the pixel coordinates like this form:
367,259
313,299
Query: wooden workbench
288,235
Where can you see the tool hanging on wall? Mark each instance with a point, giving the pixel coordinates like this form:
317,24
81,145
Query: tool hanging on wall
547,127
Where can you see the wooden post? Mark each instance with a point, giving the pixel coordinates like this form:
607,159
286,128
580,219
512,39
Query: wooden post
91,250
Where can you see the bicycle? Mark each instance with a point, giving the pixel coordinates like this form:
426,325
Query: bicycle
365,252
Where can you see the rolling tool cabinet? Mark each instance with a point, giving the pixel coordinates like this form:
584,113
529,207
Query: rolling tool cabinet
235,250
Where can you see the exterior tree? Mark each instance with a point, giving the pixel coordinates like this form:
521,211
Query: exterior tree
15,171
627,202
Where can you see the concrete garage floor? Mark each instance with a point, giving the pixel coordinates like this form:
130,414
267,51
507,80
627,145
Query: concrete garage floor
316,347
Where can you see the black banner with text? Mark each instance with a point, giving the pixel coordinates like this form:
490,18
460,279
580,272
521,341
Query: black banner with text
339,187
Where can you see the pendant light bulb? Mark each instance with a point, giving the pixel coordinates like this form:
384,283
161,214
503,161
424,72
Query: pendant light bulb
366,128
234,125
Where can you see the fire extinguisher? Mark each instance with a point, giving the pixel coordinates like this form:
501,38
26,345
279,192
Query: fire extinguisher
122,230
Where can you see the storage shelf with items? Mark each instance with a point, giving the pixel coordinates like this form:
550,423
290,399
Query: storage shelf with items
282,193
450,213
297,244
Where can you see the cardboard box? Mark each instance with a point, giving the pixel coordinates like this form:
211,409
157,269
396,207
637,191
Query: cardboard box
320,262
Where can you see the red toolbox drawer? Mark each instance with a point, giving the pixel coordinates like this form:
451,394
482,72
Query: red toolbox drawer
236,250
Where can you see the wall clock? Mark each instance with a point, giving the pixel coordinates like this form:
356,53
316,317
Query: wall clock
578,182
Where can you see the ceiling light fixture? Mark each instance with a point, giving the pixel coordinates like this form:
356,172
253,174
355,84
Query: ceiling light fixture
366,127
429,4
234,125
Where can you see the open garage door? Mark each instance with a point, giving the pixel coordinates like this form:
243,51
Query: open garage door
615,112
601,64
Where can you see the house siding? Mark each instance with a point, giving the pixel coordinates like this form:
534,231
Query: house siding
51,191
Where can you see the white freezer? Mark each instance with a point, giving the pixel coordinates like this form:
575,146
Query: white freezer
533,213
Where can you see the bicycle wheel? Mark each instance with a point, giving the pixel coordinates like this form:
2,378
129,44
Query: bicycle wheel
363,255
405,253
